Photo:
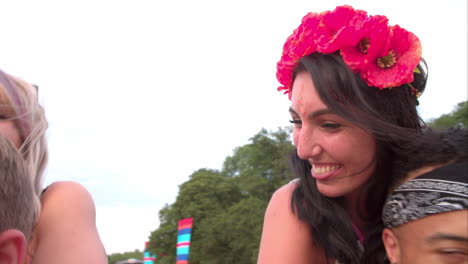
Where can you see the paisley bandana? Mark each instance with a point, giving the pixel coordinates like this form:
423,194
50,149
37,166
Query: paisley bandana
442,190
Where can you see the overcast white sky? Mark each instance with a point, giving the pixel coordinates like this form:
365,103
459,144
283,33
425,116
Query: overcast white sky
140,94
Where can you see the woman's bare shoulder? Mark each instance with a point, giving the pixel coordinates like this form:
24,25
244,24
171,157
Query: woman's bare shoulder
69,191
67,226
67,200
285,238
281,198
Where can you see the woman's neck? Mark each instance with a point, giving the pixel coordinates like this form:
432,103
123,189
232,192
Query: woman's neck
353,207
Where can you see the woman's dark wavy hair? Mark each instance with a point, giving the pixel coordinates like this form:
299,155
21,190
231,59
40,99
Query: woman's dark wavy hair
433,147
390,115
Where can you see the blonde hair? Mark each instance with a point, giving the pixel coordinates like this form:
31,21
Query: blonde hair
16,191
21,98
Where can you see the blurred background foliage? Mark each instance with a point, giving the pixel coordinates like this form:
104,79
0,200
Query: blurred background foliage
227,205
458,117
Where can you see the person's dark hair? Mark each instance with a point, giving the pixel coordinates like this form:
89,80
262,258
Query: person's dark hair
390,115
433,147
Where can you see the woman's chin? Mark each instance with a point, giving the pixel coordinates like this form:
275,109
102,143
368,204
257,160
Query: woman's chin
332,191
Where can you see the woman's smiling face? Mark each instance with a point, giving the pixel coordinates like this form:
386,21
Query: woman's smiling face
341,154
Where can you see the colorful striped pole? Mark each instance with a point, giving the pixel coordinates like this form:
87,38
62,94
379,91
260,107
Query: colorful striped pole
148,258
183,240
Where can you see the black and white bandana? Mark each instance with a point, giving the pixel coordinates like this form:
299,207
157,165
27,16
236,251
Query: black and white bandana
442,190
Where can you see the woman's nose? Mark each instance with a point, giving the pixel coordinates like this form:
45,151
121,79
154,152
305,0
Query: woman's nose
308,145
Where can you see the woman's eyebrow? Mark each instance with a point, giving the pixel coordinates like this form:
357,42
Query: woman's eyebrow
320,112
314,114
442,236
292,111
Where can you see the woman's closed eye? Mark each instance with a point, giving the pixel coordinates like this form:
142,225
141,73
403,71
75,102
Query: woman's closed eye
453,255
295,122
453,251
330,126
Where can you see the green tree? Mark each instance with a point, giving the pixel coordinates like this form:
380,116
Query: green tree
206,193
228,205
233,236
113,258
162,241
459,116
263,165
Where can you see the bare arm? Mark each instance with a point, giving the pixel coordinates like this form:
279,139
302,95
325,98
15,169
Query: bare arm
286,239
66,231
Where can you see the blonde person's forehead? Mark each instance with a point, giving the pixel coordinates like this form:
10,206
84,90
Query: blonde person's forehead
3,95
6,108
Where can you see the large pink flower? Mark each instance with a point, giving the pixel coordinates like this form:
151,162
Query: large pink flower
395,64
299,43
329,31
383,56
365,44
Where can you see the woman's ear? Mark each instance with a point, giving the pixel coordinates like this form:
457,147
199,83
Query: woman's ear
391,244
12,247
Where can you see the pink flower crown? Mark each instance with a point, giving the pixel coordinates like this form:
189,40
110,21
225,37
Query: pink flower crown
384,56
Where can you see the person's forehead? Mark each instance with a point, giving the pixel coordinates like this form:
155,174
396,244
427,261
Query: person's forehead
3,95
304,95
439,191
436,226
6,108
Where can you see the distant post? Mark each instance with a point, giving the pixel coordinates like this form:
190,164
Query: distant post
148,258
183,240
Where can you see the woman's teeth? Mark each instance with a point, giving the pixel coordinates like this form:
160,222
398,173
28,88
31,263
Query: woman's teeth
325,169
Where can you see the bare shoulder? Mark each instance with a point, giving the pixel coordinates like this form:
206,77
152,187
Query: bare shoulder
279,208
284,193
285,238
63,195
280,202
66,203
67,226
